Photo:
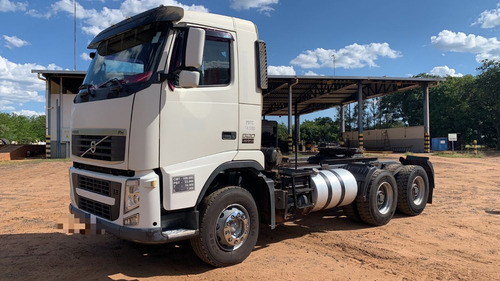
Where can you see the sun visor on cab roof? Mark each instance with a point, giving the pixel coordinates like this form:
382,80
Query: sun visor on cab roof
162,13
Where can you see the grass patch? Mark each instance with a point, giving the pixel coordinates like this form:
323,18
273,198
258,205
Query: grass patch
31,161
492,153
371,154
455,154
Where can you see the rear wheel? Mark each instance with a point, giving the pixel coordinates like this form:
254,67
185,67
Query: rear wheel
351,212
413,187
393,167
229,227
381,203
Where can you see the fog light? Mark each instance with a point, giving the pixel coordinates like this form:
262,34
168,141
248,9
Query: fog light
132,195
132,220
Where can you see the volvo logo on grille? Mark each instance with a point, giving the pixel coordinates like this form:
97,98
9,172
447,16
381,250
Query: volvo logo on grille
93,146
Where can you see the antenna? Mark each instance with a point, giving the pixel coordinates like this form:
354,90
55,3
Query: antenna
74,32
333,57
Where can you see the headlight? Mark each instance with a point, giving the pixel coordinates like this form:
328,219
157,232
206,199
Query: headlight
132,196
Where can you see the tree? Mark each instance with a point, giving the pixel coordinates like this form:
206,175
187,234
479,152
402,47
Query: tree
488,102
322,129
282,132
450,108
405,107
38,127
22,129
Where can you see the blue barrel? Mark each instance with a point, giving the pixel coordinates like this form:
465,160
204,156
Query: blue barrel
439,144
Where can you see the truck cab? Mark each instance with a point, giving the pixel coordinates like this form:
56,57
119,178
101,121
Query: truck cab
170,104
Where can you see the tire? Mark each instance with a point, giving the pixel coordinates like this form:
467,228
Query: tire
351,212
381,203
229,227
393,167
413,190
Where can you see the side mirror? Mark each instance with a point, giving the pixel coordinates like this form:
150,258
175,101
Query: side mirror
194,48
189,79
92,55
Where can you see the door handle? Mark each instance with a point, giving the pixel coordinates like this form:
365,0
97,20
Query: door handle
228,135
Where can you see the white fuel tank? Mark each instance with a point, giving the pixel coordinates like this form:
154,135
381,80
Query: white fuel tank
333,188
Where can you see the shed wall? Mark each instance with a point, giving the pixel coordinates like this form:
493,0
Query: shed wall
394,139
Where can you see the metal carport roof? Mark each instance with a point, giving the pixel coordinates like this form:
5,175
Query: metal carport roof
315,93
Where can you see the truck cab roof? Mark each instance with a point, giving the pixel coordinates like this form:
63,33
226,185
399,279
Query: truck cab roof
175,15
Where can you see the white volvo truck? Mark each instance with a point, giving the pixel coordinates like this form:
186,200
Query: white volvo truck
168,143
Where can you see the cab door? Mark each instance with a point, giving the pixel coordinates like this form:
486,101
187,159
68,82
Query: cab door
202,121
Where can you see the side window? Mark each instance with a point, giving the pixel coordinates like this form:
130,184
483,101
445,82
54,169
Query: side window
216,67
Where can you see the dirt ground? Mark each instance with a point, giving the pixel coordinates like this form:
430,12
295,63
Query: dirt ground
455,238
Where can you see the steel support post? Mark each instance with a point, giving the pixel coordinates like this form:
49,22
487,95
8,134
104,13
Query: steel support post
297,135
297,128
48,132
290,103
342,122
427,135
360,115
289,118
59,117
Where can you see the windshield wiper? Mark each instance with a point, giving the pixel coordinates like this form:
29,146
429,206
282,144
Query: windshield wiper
84,86
112,81
86,93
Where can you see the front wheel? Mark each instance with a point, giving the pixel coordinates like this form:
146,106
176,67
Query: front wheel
229,227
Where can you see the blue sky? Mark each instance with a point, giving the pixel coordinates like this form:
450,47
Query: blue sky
396,38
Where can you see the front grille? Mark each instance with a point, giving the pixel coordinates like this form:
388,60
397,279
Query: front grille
104,170
101,187
99,147
94,185
96,208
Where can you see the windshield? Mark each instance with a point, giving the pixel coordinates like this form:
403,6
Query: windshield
127,60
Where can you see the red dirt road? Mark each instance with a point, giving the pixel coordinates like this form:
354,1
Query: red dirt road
456,238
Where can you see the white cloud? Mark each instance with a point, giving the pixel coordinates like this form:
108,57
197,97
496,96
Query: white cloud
280,70
460,42
262,6
484,48
8,6
85,56
95,21
14,42
311,73
19,85
489,56
352,56
28,113
5,105
445,71
489,18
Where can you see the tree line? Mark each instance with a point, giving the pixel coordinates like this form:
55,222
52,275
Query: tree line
468,106
22,129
